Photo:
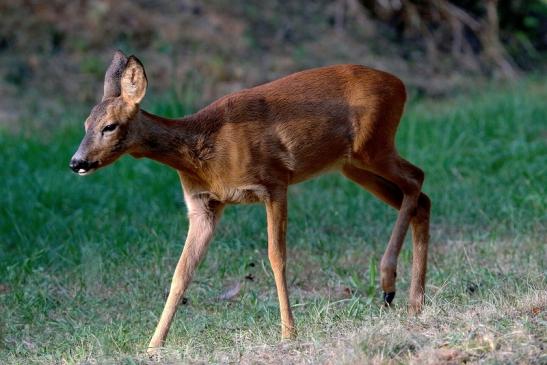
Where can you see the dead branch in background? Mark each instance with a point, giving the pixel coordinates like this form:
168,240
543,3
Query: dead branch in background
443,27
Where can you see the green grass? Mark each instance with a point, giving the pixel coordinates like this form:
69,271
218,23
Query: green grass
85,262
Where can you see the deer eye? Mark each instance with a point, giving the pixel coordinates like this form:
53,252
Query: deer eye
109,128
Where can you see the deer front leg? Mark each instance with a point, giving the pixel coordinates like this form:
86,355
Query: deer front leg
203,215
276,212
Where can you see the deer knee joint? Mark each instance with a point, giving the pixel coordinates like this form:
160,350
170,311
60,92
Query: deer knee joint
421,216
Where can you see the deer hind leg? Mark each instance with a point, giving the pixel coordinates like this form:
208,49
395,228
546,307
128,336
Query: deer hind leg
420,243
203,216
391,194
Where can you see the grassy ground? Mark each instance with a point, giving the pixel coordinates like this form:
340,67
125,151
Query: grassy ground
85,262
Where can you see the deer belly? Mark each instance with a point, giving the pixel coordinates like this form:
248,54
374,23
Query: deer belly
243,194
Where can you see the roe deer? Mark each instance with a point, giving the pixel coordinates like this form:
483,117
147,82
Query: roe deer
251,145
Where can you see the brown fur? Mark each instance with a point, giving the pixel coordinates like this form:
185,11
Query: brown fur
251,145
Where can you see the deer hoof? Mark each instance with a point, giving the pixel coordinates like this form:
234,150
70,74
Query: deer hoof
154,353
388,298
415,307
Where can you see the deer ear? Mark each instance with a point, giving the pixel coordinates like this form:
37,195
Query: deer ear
112,87
133,81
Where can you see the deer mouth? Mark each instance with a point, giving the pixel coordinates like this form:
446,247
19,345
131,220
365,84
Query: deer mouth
83,172
83,167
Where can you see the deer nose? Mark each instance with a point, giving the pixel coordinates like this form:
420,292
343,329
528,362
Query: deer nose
79,166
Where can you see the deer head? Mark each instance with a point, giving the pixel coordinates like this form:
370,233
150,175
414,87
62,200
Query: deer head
111,129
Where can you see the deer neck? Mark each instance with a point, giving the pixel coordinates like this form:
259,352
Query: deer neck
183,143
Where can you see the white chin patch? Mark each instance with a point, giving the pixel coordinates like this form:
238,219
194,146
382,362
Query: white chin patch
83,172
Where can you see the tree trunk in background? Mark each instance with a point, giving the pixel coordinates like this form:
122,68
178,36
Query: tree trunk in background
491,41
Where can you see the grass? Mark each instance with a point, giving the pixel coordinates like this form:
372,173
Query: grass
85,262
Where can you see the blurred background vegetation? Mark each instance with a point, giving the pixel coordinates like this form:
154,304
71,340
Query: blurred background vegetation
56,51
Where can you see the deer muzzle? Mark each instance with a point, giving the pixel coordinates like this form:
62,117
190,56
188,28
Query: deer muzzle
82,167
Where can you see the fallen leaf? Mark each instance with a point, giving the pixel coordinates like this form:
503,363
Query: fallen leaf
488,339
448,354
472,288
29,345
4,288
444,356
348,291
249,277
231,292
344,292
